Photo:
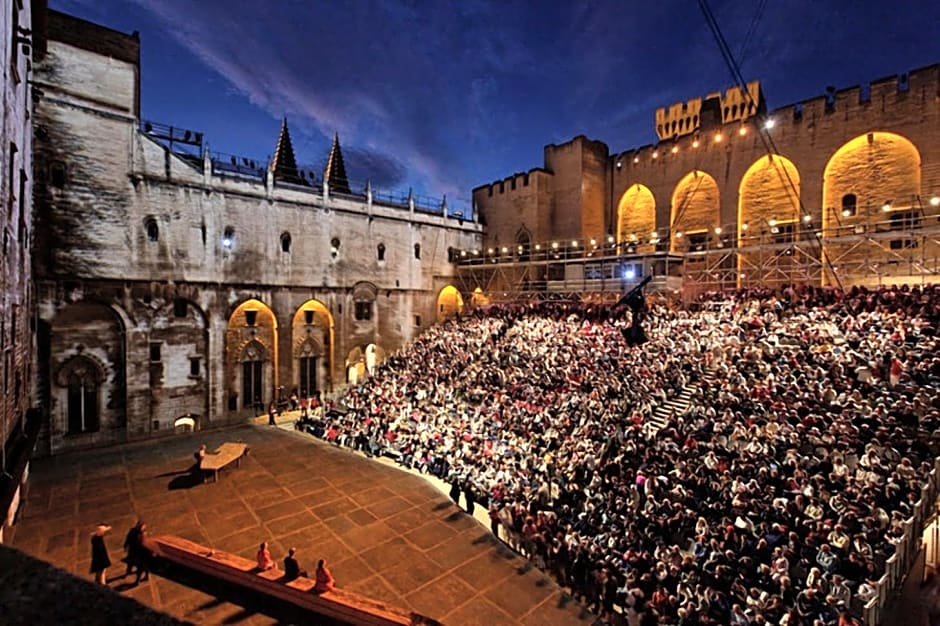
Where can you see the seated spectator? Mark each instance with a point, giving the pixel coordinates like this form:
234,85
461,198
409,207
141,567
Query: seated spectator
325,581
265,562
292,569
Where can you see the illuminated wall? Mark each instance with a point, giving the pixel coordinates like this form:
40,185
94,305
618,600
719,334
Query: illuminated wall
695,203
636,217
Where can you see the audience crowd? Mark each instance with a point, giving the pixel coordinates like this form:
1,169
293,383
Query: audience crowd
775,497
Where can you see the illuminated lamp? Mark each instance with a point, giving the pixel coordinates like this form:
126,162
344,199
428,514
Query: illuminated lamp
695,143
769,123
718,137
636,159
742,131
675,149
886,206
935,201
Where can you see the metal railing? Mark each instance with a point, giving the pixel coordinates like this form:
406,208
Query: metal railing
899,564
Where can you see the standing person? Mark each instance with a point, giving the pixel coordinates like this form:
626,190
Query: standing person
272,411
469,496
133,546
304,403
455,488
100,561
325,580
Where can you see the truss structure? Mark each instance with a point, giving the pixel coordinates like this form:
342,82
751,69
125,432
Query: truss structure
870,254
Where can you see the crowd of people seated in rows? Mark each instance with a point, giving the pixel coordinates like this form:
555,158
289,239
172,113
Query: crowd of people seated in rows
775,498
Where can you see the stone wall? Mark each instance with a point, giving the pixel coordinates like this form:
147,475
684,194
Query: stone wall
812,136
171,251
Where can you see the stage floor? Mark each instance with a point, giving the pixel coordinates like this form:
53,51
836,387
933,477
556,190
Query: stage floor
384,532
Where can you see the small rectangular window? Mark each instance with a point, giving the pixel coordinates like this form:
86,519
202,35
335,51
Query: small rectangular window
155,352
179,307
363,311
417,320
308,317
251,317
194,366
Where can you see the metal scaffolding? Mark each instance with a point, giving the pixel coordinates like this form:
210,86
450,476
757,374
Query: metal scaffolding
891,246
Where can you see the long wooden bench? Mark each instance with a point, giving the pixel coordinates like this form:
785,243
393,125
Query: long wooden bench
344,606
226,453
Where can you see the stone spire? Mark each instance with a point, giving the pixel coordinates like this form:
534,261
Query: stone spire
335,174
284,165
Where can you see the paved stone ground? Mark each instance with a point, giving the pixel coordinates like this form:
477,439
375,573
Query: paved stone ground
384,533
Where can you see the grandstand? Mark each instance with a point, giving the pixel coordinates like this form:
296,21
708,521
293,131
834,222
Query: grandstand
765,453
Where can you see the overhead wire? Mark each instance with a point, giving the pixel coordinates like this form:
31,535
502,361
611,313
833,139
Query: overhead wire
765,136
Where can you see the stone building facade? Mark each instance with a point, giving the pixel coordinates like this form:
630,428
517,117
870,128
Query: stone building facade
176,289
842,188
16,190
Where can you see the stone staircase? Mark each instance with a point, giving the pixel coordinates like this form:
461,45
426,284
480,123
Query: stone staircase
675,405
679,404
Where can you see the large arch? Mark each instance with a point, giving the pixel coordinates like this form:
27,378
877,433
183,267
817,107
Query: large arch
768,219
313,348
876,168
449,303
251,357
636,216
875,177
694,210
88,370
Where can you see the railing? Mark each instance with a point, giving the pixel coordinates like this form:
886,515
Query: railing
906,550
190,145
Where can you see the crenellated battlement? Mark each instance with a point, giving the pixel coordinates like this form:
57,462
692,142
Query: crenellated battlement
511,183
896,90
685,118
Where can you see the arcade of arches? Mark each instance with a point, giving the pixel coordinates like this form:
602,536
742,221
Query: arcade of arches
872,178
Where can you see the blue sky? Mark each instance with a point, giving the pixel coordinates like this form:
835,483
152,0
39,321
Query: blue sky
445,95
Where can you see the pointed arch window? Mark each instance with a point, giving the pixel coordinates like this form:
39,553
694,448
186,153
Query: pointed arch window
82,380
285,242
153,231
380,252
418,251
252,375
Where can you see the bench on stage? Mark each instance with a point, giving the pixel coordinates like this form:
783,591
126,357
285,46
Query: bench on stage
226,453
343,606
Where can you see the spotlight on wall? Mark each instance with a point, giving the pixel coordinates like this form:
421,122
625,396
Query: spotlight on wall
718,137
769,123
675,149
935,201
227,243
678,234
717,230
636,159
610,238
743,225
695,143
619,164
655,154
629,274
807,218
742,131
886,206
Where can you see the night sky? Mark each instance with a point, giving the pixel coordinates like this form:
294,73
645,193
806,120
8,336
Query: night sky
445,95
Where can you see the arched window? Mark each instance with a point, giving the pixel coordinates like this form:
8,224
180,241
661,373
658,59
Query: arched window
285,242
849,205
417,250
82,380
57,174
153,231
334,247
380,252
228,238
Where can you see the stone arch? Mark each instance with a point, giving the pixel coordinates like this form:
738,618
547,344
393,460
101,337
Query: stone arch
251,357
88,366
636,216
523,243
355,366
881,170
768,213
449,303
312,338
875,168
695,208
186,424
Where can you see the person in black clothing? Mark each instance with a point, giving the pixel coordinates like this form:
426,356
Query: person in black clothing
292,569
469,496
137,554
455,490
